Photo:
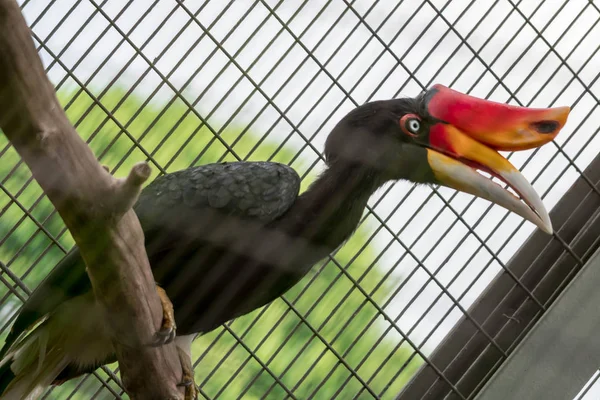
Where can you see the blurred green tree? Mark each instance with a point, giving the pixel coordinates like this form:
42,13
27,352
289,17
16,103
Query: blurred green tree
347,323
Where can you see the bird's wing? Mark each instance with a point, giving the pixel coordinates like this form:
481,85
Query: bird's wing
191,207
258,191
261,191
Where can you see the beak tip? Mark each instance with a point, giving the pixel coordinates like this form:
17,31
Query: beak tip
545,224
547,229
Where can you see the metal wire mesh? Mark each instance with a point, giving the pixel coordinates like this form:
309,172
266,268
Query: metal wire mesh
183,83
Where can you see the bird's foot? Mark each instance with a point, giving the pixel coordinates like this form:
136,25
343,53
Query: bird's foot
187,380
168,329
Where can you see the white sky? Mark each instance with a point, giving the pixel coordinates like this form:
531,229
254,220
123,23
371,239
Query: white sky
558,83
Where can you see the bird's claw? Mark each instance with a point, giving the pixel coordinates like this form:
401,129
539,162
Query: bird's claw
187,380
165,335
191,390
167,332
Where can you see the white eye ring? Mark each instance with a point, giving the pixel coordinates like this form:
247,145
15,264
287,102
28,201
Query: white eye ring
413,125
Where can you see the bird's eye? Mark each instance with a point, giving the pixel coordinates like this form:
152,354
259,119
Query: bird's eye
410,124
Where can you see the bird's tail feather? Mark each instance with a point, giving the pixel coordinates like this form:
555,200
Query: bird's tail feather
29,366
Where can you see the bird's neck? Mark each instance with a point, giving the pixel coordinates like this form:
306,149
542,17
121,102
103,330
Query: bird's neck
330,209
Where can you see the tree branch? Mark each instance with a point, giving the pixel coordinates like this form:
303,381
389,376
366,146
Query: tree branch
95,207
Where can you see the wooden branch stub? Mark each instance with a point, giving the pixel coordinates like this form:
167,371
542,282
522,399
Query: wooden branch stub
126,191
94,206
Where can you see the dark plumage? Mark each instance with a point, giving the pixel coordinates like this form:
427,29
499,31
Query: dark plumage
225,239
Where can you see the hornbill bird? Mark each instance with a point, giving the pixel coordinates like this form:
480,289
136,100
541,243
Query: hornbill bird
226,239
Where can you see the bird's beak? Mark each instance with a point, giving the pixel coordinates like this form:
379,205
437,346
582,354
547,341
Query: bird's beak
467,138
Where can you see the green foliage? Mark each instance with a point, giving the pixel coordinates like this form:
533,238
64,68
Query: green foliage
327,299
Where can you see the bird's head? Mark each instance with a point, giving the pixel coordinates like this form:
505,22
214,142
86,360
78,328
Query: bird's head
444,137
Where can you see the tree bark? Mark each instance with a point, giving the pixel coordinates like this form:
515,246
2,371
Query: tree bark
95,207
